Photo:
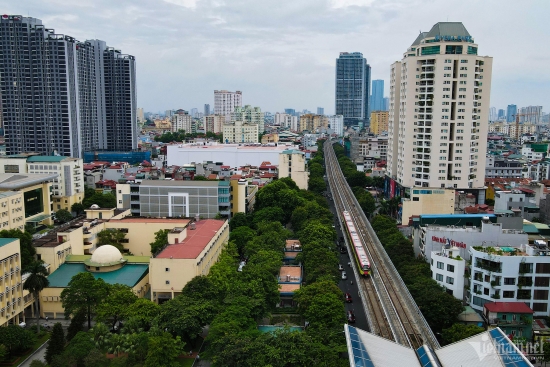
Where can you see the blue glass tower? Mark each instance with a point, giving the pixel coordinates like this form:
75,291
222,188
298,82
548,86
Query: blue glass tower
377,101
352,88
511,112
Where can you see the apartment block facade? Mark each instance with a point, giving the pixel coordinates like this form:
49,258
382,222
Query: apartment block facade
438,115
60,95
226,101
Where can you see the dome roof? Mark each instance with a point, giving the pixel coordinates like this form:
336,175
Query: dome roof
106,254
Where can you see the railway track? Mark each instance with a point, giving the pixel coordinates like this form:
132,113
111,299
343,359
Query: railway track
391,311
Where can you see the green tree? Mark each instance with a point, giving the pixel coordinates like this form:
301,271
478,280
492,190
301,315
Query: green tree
111,236
27,249
161,240
272,214
144,311
35,283
106,200
241,236
77,323
96,358
16,339
317,185
79,348
185,317
238,220
115,305
83,291
56,344
78,208
63,215
164,351
458,332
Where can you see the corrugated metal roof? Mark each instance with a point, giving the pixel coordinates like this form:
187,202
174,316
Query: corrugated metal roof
448,29
45,158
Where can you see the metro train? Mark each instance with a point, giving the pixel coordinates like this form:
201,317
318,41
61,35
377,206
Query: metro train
361,258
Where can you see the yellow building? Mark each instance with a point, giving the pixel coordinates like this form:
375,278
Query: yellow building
12,210
270,138
379,121
239,132
192,251
243,195
106,263
428,201
292,163
35,190
12,303
311,122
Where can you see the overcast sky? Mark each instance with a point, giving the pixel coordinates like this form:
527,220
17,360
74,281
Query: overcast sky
281,53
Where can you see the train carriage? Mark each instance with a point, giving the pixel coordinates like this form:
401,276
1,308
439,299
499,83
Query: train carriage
360,255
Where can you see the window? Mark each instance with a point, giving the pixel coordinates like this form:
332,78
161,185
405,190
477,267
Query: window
463,61
525,267
166,269
524,294
447,68
508,294
416,198
439,277
541,294
167,282
543,269
439,265
450,280
542,282
486,291
509,281
540,307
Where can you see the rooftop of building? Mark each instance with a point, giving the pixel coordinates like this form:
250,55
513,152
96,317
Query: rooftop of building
7,194
5,241
195,241
288,288
236,147
511,307
130,259
15,181
488,349
295,273
177,222
129,274
48,158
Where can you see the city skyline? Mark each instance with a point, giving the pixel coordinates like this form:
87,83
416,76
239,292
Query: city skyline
292,50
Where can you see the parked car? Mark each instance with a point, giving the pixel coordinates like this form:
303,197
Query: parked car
344,275
351,317
348,298
340,267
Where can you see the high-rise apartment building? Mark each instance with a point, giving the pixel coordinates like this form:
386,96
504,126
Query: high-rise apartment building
206,109
320,111
310,122
493,114
377,97
140,115
181,120
501,114
438,118
336,123
511,112
352,88
386,104
290,111
379,122
225,102
214,123
249,115
63,96
531,114
286,121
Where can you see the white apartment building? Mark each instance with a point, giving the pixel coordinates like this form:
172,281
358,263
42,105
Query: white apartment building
531,155
240,132
374,147
508,200
286,121
249,115
336,123
430,238
448,268
182,120
225,102
511,274
292,163
502,167
502,127
214,123
439,111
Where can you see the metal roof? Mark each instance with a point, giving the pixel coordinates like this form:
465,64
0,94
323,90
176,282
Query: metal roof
448,29
14,181
129,274
45,158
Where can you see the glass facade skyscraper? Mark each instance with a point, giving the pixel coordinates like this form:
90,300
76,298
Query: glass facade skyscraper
377,100
352,88
511,112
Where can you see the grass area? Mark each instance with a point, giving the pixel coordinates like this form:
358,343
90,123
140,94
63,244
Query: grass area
41,340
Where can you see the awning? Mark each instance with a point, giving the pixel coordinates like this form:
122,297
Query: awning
38,218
